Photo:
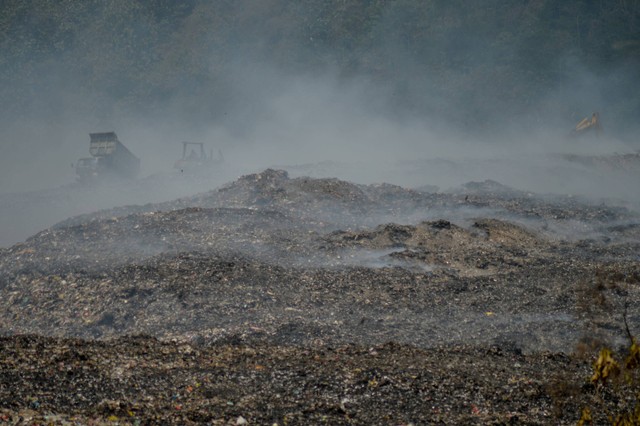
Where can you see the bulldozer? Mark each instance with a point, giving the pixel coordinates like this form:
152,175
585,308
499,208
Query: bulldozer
194,158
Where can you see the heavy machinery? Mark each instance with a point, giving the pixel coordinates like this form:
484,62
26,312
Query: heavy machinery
109,157
621,163
588,125
196,159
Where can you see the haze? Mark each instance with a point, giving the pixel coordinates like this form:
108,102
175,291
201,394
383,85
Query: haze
408,92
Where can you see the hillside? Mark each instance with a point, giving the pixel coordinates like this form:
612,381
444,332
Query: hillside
274,299
471,63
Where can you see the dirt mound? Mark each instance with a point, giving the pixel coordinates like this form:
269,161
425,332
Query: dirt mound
258,268
488,247
339,204
299,275
489,187
627,163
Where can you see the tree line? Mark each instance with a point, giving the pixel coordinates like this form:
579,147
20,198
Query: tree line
437,57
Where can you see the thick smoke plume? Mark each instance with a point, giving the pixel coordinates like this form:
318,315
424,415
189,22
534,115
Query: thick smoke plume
410,93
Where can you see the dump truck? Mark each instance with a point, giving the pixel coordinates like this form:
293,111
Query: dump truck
109,157
195,159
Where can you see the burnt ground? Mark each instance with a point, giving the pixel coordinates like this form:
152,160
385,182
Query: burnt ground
301,300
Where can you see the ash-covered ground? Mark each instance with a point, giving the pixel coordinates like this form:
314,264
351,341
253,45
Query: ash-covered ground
275,299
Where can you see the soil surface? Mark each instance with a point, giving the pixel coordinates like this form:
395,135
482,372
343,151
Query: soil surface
281,300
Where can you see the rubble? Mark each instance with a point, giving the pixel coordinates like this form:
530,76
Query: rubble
251,294
140,380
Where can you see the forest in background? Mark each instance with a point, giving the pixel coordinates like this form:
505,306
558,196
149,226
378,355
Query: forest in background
475,65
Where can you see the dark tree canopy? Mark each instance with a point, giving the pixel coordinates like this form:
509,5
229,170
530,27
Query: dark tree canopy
487,58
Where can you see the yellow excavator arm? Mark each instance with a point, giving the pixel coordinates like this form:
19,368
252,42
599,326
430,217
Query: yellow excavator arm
592,123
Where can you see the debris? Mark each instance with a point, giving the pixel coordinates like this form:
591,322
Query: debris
271,299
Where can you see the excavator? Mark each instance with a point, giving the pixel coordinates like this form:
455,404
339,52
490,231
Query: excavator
588,125
629,162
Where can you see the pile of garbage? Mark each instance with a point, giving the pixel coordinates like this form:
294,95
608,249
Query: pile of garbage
273,281
140,380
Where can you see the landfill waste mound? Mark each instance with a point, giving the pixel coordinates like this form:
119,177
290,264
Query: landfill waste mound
279,300
22,214
625,163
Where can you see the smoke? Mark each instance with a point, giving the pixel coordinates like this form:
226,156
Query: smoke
400,111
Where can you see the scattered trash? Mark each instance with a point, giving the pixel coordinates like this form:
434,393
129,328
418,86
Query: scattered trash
252,302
